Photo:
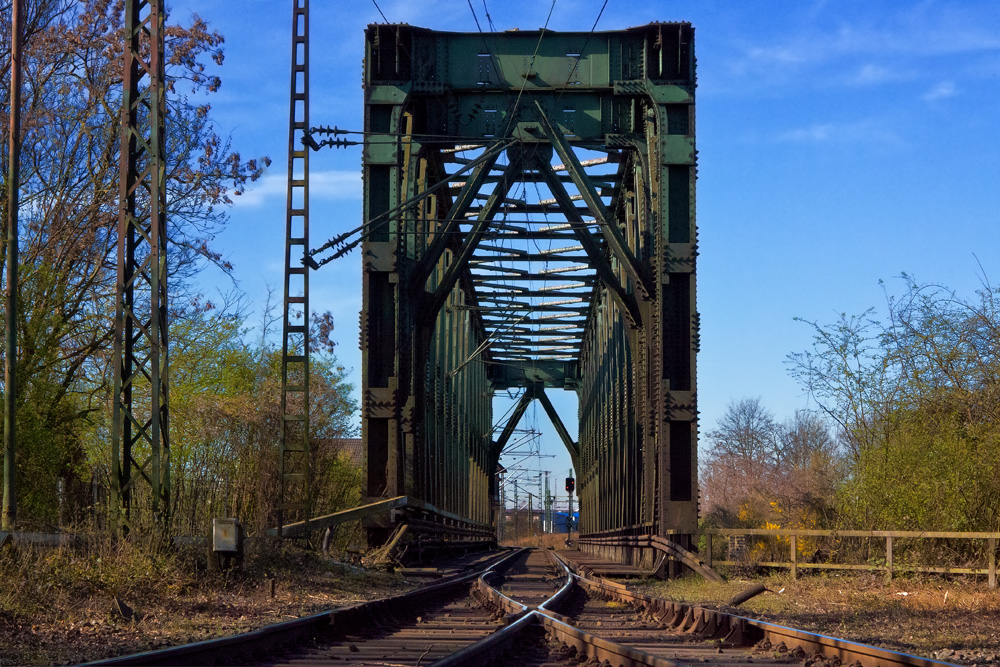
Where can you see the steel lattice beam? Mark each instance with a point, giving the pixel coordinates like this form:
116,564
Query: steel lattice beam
140,433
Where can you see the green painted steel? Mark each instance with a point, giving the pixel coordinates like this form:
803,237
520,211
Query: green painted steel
529,208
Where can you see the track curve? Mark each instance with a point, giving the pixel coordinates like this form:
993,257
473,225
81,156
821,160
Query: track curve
526,608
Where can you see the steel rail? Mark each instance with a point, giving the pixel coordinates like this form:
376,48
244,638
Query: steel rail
593,646
849,652
521,618
228,650
730,628
373,509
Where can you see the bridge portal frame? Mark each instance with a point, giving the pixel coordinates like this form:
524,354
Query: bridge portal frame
428,371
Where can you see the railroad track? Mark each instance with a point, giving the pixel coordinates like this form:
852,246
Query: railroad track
526,608
687,634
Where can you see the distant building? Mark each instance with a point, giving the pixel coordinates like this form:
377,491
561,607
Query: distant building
559,522
351,448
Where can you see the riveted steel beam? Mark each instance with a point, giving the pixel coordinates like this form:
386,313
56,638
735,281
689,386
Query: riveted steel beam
596,255
456,213
573,447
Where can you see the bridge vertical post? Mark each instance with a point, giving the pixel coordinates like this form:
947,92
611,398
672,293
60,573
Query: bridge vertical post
383,316
425,395
674,331
141,430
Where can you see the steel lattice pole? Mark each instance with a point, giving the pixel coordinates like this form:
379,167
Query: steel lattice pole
140,448
293,446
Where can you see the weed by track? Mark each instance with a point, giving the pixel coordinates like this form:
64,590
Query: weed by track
955,620
56,605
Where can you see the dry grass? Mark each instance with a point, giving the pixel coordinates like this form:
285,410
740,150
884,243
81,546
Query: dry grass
56,604
547,541
922,615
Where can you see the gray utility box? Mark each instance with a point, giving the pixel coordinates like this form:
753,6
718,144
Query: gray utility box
227,542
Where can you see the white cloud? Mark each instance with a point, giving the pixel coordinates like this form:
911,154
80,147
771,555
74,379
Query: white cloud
336,184
870,75
940,91
332,184
777,54
903,43
813,133
859,132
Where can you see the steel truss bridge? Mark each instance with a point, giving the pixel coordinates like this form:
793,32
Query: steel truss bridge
529,224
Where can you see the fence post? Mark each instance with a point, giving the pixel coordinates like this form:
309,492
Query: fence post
795,557
888,558
992,546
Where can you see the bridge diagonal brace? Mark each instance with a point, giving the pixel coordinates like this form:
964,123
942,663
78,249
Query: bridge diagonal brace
472,240
597,259
609,229
456,215
573,447
526,398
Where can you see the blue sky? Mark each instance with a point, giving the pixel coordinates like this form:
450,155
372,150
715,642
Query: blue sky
840,144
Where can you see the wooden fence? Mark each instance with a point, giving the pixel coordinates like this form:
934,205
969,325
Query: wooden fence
889,567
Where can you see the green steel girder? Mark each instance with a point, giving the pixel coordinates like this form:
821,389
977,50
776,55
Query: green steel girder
525,276
525,292
459,264
467,293
605,220
553,374
530,235
601,264
571,446
467,93
450,225
515,417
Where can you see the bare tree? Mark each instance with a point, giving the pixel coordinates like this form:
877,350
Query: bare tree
758,470
742,457
69,189
811,467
